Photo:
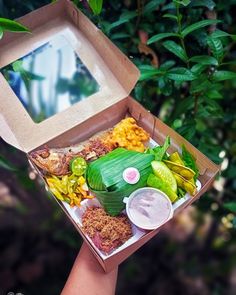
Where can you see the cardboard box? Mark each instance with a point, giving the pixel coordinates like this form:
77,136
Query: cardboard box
116,77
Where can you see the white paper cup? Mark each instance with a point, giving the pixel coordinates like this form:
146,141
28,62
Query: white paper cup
148,208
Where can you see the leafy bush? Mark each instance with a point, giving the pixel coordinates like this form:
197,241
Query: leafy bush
185,51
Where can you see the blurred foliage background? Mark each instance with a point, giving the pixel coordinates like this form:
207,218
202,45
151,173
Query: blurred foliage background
187,63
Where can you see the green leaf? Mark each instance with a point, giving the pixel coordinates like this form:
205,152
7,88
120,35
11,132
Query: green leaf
188,130
17,66
184,105
190,161
217,86
220,34
96,6
160,151
214,94
200,125
209,111
231,171
171,16
183,2
198,25
210,150
177,124
176,49
199,85
180,192
205,3
214,108
120,36
169,6
124,18
1,33
198,68
149,71
223,75
161,36
204,59
146,68
206,111
230,206
12,26
151,6
5,164
216,47
231,63
32,76
165,85
149,74
180,74
167,65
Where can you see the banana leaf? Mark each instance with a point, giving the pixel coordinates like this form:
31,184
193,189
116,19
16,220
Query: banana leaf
105,177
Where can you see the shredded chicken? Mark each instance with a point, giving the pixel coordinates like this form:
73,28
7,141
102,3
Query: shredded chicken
107,232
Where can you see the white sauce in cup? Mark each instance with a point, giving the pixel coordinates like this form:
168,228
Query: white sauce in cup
148,208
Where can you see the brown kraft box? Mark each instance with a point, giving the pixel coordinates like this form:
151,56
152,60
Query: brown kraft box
116,76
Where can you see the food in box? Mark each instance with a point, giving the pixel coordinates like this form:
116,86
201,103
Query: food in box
61,28
109,168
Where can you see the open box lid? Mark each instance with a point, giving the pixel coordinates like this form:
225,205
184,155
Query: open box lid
103,64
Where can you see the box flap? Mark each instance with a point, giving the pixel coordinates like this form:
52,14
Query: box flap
112,73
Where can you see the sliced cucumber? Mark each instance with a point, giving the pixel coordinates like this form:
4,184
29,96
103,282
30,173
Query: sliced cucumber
161,170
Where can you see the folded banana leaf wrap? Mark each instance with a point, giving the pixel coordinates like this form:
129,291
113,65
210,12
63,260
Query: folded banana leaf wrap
105,177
